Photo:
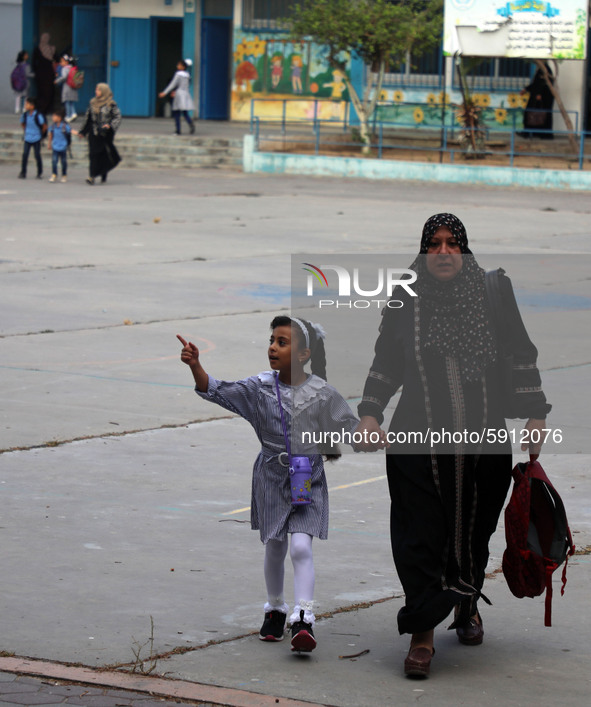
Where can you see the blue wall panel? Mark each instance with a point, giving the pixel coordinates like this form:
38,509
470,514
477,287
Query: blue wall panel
131,74
89,30
216,38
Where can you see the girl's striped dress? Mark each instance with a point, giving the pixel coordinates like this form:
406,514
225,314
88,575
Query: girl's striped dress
314,406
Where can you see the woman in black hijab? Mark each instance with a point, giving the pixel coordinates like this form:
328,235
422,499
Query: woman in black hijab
446,493
44,70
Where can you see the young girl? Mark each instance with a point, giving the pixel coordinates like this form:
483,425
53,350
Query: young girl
20,79
69,94
182,102
309,404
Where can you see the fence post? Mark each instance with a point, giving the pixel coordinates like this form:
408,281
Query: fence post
283,116
317,130
512,155
380,140
582,149
257,125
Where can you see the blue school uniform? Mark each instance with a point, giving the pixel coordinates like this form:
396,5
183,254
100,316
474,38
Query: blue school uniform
313,405
33,134
59,145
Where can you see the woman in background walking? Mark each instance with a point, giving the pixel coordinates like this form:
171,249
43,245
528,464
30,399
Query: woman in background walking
101,122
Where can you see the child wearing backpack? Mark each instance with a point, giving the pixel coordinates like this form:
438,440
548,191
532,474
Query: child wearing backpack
69,93
60,137
35,127
19,79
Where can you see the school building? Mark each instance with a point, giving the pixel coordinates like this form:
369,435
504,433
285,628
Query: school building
244,64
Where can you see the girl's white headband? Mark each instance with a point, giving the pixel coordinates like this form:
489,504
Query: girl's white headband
320,333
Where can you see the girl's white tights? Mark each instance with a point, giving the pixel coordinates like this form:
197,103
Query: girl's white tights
303,575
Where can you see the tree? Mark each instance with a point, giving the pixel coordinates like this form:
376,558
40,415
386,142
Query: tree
551,82
378,32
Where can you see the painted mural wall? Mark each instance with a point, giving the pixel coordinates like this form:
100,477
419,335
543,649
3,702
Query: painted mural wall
268,68
420,107
275,78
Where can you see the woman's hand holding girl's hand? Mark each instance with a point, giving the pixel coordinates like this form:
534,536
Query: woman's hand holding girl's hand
190,353
373,436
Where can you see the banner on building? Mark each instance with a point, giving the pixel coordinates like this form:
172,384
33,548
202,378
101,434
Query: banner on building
527,29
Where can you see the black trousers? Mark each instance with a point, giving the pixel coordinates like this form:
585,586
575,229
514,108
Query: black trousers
37,151
440,532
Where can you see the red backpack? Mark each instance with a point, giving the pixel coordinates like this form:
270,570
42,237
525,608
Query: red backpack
75,78
538,536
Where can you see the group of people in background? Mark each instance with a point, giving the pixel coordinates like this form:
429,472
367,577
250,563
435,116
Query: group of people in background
102,118
101,122
48,73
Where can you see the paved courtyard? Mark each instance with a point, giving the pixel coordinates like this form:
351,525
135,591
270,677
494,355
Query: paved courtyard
124,497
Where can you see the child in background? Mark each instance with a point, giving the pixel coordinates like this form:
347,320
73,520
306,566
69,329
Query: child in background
58,142
69,94
20,79
308,404
35,127
182,102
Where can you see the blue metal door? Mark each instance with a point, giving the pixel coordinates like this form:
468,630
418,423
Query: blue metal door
132,65
89,46
215,66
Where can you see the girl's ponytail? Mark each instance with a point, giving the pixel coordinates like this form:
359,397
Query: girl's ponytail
318,359
318,367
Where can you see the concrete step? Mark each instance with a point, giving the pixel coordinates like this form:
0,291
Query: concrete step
145,151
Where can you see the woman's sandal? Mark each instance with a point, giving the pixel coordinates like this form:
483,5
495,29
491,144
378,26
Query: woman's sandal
472,632
417,663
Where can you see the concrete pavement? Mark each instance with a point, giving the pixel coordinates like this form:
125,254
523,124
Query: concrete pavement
124,497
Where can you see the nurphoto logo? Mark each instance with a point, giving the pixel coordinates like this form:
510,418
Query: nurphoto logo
385,281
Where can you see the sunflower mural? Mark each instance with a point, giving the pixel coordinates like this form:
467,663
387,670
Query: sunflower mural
422,108
246,54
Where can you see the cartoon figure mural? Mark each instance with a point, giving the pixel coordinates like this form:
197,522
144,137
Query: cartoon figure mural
267,68
297,64
337,84
276,70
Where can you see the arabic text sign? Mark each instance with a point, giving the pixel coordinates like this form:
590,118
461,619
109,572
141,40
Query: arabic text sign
520,28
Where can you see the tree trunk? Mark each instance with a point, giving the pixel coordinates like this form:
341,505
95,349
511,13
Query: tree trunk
467,102
555,92
361,111
366,106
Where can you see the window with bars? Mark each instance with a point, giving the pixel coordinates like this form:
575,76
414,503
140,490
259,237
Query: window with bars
424,71
265,14
497,75
494,74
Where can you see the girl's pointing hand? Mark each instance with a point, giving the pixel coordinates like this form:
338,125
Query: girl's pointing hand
190,353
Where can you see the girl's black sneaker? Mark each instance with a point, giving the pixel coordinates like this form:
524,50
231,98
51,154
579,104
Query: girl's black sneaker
273,626
302,636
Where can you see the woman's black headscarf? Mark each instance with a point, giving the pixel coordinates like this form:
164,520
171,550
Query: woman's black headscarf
449,221
460,323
